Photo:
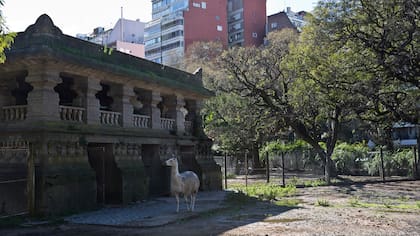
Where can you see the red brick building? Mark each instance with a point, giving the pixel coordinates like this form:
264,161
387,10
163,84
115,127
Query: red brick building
177,24
208,23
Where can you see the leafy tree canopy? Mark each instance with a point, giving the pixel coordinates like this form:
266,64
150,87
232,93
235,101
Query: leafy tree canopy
6,39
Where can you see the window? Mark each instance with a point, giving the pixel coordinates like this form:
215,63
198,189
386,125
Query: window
219,28
274,25
196,4
254,35
203,5
217,17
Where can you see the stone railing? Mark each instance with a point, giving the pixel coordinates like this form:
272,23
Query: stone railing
13,113
72,113
141,121
168,124
110,118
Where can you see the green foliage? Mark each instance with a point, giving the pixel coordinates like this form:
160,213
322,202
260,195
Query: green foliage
6,38
266,191
278,146
397,163
348,157
315,183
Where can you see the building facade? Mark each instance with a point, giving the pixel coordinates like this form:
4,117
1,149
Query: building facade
246,22
86,126
127,36
177,24
286,20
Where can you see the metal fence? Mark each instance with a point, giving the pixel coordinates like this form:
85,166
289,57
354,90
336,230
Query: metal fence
294,168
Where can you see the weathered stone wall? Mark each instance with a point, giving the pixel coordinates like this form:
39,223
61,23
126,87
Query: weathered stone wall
65,182
134,179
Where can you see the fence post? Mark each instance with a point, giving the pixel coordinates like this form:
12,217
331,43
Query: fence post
382,164
267,163
282,169
246,169
415,169
225,170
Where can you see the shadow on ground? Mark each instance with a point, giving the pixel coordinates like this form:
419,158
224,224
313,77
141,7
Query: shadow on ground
216,212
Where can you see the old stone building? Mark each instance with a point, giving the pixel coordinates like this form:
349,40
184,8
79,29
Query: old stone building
86,126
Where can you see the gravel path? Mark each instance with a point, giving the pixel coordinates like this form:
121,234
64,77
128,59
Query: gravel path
215,217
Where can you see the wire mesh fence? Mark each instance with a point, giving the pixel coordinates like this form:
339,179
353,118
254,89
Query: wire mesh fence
300,170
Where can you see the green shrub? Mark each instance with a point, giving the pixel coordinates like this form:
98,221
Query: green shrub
348,157
397,163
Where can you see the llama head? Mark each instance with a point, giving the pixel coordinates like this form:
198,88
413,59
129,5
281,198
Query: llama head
171,162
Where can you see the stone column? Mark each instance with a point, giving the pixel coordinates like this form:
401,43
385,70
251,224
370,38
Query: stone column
180,115
4,97
43,101
91,102
126,106
155,116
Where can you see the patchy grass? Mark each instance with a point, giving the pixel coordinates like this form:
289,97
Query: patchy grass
400,203
354,201
282,220
315,183
322,202
288,202
266,191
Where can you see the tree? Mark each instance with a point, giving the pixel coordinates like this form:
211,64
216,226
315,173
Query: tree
386,33
232,121
299,93
6,39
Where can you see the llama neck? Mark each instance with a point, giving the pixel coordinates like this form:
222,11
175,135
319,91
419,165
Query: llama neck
174,170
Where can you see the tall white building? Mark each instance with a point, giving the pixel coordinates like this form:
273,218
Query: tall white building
126,36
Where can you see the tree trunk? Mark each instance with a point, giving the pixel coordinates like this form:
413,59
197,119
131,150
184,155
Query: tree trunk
256,163
327,168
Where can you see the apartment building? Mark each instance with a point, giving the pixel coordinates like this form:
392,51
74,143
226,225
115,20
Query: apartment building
176,24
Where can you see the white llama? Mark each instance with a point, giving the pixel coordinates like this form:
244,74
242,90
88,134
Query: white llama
185,183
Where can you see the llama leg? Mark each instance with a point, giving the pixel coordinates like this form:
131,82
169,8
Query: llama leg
192,202
186,202
177,203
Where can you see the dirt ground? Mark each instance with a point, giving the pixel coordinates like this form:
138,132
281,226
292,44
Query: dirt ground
391,208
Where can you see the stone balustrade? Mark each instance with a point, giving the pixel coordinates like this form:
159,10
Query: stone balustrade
110,118
141,121
168,124
15,113
72,113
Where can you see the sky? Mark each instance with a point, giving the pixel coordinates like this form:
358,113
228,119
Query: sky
82,16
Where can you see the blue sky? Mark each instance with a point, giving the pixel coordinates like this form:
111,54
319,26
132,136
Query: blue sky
81,16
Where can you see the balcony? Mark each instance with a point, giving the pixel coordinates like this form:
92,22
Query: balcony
15,113
110,118
141,121
69,113
167,124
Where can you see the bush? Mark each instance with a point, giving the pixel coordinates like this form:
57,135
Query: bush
349,158
397,163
